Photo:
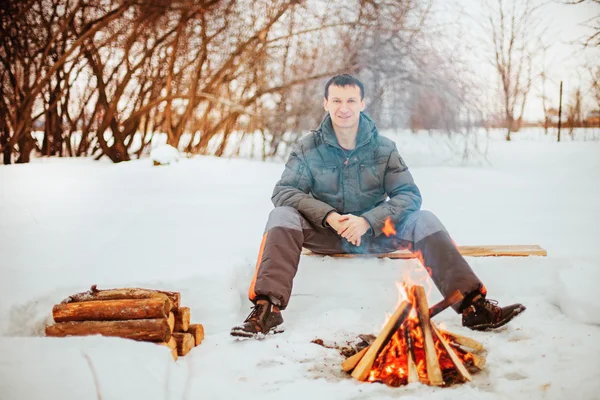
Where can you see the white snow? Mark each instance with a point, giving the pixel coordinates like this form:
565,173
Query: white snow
164,154
195,227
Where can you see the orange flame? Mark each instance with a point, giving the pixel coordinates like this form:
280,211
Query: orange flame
388,227
391,365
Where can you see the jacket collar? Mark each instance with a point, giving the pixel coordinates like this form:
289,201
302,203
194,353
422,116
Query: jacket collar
366,130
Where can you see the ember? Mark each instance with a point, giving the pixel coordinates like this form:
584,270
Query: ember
410,348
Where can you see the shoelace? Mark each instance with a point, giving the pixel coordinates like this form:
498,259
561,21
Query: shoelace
490,305
255,312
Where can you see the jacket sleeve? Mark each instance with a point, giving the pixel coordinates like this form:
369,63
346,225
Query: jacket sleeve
293,190
404,195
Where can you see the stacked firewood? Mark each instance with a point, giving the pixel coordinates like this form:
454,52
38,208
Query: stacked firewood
131,313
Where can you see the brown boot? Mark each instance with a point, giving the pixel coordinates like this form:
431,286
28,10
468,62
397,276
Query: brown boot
485,314
265,318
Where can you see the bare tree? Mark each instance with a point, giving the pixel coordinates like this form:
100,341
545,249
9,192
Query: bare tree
574,111
100,78
30,60
593,23
594,72
513,29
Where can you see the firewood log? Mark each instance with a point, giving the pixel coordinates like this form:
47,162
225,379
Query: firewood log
197,331
185,342
110,310
350,363
182,319
478,361
464,341
413,374
361,371
434,373
171,321
172,344
123,293
457,361
454,297
152,330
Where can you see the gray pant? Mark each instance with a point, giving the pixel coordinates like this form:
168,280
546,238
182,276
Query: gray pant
287,231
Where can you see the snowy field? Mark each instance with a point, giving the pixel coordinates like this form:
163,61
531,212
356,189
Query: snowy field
195,227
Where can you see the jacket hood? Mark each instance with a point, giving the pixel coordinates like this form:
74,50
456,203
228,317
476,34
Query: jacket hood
366,130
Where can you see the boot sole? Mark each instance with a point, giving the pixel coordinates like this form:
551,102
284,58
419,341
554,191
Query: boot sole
510,317
242,334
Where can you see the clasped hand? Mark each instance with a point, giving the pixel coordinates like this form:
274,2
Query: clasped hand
348,226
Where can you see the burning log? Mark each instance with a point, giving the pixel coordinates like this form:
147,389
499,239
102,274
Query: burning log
350,363
464,341
457,362
185,342
197,331
454,298
434,373
121,294
413,373
182,319
363,367
107,310
411,349
152,330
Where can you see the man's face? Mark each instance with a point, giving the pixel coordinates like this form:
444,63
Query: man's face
344,105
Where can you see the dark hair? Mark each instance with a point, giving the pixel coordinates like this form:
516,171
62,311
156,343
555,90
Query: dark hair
345,80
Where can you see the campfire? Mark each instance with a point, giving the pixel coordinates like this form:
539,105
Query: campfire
411,348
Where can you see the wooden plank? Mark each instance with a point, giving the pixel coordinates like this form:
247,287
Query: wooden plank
470,251
361,372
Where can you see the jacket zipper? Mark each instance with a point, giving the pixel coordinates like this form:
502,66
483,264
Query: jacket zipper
348,157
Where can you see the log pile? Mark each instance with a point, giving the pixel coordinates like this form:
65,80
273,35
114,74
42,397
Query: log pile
132,313
411,348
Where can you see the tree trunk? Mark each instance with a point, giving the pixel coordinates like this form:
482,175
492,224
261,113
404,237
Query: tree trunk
25,147
6,148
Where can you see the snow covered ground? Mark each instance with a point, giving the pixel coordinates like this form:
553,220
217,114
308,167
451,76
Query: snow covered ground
195,226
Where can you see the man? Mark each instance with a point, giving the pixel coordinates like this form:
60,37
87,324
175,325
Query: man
340,185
